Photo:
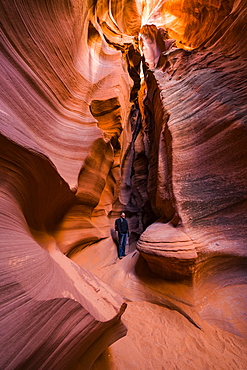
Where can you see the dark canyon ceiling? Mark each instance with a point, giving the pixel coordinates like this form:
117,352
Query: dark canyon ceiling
134,106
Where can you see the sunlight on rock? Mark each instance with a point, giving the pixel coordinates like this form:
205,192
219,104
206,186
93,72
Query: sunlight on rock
117,106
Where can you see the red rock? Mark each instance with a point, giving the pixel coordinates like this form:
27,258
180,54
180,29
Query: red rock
169,251
78,146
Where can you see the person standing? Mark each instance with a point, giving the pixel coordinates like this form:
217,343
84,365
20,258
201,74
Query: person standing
121,226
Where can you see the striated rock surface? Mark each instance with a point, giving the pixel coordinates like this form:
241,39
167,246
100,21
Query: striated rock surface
171,253
53,312
95,119
57,160
198,145
189,22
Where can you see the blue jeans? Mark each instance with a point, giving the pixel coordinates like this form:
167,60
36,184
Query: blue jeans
122,244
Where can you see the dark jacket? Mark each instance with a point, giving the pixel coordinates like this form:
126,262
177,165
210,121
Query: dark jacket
121,225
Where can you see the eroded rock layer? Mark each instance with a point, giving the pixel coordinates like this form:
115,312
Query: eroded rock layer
201,170
57,164
96,119
52,311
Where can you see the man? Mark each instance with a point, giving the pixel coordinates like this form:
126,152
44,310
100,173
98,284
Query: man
121,226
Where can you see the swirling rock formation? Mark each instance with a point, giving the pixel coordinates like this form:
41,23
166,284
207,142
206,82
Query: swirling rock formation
204,190
189,22
171,253
54,313
123,105
47,301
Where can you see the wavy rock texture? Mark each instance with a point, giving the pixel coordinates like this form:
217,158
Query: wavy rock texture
83,138
47,301
189,22
196,133
171,253
205,189
55,64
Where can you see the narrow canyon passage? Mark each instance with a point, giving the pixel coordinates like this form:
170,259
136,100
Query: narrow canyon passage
134,106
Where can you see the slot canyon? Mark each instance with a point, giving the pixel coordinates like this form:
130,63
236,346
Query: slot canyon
134,106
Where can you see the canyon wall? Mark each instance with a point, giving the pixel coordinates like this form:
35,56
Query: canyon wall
57,165
123,105
197,154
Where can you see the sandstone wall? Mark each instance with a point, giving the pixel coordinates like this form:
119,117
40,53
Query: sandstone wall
56,163
82,139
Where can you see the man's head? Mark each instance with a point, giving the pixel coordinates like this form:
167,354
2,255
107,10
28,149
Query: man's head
123,215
